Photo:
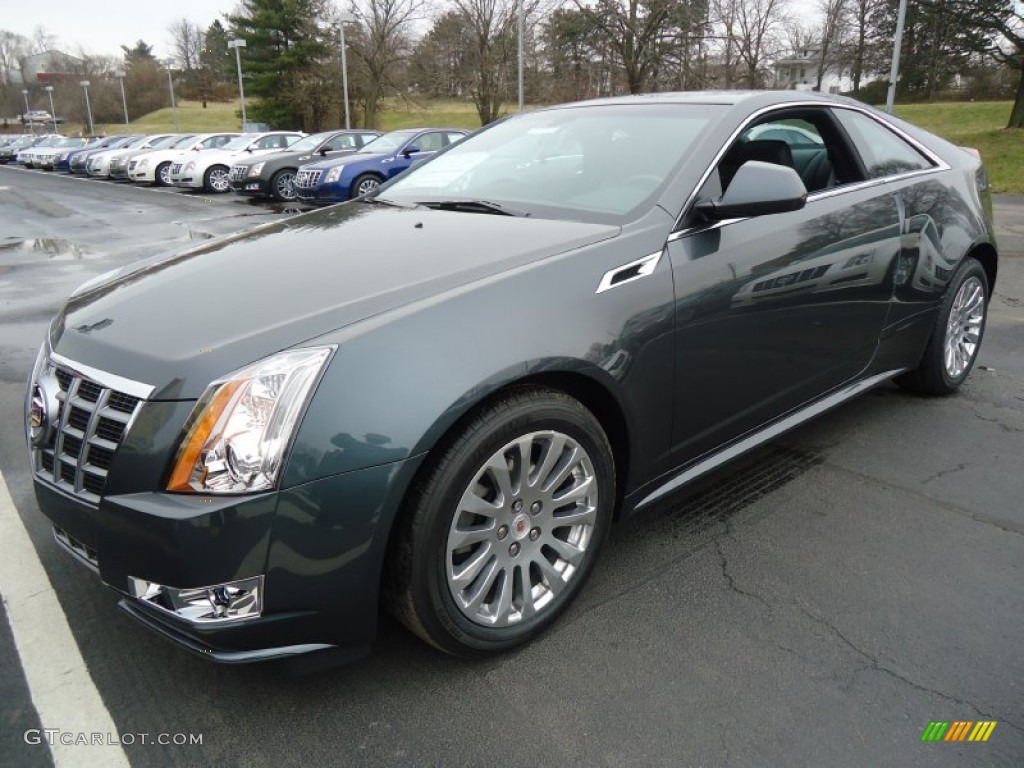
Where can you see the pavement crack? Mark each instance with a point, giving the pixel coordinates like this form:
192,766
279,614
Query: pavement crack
958,468
730,581
873,664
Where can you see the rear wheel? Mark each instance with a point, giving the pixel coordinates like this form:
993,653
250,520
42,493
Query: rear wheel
956,337
503,531
282,185
216,179
365,184
162,175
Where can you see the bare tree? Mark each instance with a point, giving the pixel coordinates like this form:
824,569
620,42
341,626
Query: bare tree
383,47
187,43
758,29
491,29
13,48
833,28
42,40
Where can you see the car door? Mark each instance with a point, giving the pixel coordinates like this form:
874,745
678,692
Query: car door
773,311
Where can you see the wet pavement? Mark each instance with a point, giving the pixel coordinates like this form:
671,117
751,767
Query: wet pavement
818,602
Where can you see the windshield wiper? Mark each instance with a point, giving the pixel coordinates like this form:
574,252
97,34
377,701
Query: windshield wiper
385,201
472,206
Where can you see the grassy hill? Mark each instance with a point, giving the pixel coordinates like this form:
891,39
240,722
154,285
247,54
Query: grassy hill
973,124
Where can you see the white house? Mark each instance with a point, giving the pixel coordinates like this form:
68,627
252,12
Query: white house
799,72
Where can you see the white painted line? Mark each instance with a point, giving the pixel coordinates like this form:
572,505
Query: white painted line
62,690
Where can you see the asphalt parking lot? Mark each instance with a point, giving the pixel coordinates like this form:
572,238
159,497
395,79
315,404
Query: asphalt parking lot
817,603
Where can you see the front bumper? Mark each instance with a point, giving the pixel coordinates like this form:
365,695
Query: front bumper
256,186
319,547
325,194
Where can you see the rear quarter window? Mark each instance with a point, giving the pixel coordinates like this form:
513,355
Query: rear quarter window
883,152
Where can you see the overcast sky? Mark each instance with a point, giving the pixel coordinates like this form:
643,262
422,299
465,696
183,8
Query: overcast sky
102,28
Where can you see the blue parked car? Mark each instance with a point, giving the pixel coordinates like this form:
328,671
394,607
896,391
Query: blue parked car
342,178
77,160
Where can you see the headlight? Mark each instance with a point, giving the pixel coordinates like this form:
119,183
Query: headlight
238,433
191,165
142,164
334,174
255,170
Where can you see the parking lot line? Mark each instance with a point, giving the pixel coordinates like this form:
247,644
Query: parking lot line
63,692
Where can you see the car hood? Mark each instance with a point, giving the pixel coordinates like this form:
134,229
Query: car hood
356,157
181,321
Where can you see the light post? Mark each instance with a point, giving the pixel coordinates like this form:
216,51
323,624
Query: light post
343,19
119,74
53,113
520,24
894,72
28,112
238,44
88,106
170,85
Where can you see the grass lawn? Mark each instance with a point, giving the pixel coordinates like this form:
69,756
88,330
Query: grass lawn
979,124
971,124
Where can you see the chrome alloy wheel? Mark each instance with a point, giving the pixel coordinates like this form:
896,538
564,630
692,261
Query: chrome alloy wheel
284,185
963,327
366,186
521,529
218,180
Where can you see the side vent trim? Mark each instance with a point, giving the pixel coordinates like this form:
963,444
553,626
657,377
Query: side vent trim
627,273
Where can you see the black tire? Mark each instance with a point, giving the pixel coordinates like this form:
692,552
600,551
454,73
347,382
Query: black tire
932,375
215,180
418,589
277,182
158,174
364,184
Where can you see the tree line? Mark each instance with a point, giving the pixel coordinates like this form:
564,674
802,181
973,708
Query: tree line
577,49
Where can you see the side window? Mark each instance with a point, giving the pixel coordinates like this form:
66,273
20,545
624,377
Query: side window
429,142
269,142
883,152
454,137
796,141
345,141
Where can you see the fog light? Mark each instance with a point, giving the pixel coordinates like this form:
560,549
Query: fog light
231,601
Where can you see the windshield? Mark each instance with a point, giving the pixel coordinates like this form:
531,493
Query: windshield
165,142
182,142
239,142
591,163
389,142
71,142
138,142
309,143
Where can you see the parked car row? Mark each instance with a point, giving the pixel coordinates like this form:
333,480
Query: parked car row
321,168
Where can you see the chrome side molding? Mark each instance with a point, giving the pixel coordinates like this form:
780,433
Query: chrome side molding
764,435
629,272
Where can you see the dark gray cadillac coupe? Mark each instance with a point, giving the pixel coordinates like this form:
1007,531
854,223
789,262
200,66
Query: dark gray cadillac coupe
438,397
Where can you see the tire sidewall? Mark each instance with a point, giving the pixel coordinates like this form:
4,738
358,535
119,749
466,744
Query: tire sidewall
360,179
442,618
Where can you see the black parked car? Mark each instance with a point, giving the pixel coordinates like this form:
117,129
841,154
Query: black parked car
273,175
443,393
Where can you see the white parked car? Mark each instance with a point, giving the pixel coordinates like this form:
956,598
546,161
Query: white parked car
47,158
209,170
98,164
117,166
154,166
27,156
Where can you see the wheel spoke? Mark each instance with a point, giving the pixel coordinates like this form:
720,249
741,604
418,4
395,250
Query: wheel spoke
503,598
473,504
563,469
469,570
568,552
552,578
576,493
497,466
462,537
553,451
575,516
484,585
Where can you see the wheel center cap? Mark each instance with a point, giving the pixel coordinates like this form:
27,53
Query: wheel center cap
520,526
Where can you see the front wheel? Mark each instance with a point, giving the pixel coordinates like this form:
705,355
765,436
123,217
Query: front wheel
503,531
956,336
282,185
162,175
216,179
365,184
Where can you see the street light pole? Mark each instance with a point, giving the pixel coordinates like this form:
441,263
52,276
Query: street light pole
28,112
119,74
238,44
170,85
520,22
890,96
88,106
343,18
53,113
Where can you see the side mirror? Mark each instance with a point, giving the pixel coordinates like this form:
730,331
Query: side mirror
410,151
757,189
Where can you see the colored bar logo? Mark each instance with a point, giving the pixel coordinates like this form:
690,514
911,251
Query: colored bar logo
958,730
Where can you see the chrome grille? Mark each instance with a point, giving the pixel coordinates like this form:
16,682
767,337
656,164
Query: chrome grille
89,426
307,179
132,164
238,172
175,169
